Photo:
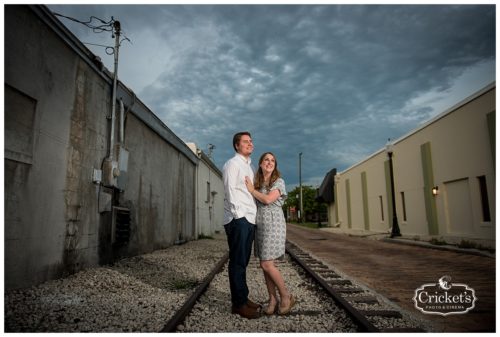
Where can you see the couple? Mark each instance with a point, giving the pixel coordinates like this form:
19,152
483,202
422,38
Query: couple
241,213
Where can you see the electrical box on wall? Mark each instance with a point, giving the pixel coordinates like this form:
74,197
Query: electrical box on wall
97,176
114,172
110,172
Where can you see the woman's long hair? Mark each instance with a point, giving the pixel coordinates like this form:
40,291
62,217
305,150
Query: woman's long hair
259,176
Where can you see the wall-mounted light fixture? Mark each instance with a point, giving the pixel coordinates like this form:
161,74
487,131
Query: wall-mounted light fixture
435,191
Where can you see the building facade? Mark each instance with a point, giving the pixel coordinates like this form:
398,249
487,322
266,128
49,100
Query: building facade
444,179
210,195
84,184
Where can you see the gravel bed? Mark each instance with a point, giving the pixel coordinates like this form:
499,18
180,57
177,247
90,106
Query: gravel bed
135,294
140,294
314,311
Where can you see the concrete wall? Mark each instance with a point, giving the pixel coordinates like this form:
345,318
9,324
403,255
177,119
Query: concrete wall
454,152
159,189
45,217
210,195
57,104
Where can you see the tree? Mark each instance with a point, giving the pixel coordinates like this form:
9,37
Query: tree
311,206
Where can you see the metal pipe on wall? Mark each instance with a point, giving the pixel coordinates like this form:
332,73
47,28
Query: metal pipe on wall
122,122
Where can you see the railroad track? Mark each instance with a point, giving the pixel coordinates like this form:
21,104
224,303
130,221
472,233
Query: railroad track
362,306
327,302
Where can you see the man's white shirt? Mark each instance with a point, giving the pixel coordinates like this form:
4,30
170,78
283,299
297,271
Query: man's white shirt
238,202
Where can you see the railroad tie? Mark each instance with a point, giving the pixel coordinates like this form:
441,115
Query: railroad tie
403,330
362,299
347,290
382,313
339,282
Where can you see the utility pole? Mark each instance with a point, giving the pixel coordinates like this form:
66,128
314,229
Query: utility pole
116,35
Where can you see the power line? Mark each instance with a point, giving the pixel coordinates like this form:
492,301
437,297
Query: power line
103,27
108,26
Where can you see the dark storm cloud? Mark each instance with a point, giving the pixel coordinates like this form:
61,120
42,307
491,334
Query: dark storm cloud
331,81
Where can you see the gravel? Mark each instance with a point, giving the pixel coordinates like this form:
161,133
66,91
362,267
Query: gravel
140,294
313,312
135,294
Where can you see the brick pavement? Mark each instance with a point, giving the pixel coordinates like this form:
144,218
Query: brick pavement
396,270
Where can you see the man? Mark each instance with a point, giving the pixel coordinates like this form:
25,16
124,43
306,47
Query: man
239,218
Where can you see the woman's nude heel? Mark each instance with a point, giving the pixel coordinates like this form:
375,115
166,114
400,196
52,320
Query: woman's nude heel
289,308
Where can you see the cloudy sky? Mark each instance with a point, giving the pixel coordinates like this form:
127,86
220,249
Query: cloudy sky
331,81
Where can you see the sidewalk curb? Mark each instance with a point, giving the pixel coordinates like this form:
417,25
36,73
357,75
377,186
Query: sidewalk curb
444,247
384,237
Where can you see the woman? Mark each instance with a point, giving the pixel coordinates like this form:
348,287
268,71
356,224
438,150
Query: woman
270,192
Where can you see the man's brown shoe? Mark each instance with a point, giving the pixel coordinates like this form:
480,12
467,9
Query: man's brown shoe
253,305
246,311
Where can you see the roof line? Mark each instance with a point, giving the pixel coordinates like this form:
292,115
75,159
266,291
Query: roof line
139,109
443,114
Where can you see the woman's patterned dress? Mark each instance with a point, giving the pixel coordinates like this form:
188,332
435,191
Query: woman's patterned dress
271,226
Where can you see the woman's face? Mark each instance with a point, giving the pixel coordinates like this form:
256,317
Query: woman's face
268,163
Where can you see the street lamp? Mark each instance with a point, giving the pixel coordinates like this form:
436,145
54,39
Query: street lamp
395,226
300,184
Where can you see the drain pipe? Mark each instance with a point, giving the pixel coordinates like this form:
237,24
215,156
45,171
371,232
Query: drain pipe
122,122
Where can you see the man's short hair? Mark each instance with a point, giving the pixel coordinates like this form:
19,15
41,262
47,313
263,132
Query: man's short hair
237,137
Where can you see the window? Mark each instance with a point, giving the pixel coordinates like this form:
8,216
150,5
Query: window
403,202
485,203
19,125
208,191
381,207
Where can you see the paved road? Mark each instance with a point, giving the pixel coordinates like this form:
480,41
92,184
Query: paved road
396,270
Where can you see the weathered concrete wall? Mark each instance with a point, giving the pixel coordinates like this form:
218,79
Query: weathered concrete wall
160,189
47,218
57,108
210,195
218,204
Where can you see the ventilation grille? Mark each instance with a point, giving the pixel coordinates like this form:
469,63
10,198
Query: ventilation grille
120,231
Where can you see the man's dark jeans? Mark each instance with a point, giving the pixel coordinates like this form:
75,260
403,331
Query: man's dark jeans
240,235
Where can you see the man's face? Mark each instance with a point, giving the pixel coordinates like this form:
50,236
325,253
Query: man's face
245,146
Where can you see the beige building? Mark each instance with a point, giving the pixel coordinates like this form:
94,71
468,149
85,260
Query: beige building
209,195
444,179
